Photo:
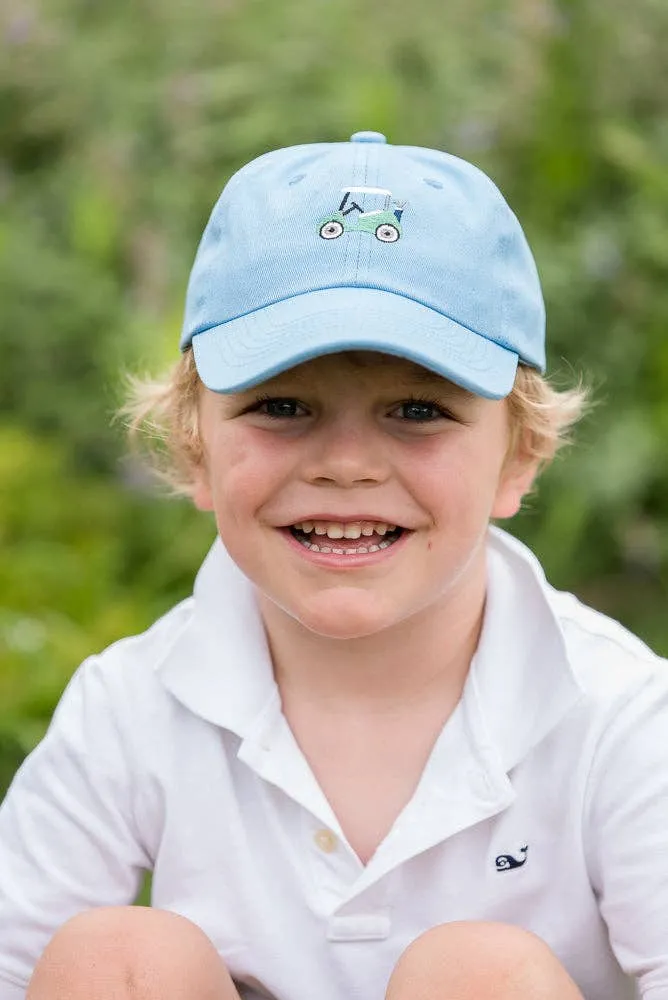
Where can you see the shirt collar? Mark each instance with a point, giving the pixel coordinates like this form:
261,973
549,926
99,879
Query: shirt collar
220,666
521,682
521,676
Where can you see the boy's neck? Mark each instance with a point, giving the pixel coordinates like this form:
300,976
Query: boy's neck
367,712
426,654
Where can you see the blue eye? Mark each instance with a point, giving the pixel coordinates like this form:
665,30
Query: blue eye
282,407
417,404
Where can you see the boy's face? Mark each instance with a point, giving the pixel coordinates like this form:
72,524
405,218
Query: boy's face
337,442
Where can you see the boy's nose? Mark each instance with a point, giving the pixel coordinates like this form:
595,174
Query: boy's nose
347,453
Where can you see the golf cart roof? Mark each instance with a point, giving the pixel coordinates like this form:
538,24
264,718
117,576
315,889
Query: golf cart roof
367,190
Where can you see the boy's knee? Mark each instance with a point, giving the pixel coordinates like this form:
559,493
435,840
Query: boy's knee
481,959
130,951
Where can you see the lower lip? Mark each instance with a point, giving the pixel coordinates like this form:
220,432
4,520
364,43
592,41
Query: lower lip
334,561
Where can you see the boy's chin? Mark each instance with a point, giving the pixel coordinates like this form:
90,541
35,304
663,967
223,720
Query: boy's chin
342,613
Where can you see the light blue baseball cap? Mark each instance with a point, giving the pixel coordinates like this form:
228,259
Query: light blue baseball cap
362,245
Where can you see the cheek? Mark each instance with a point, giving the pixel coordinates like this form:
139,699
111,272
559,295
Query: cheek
244,469
462,480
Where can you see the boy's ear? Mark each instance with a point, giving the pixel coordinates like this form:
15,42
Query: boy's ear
516,479
201,493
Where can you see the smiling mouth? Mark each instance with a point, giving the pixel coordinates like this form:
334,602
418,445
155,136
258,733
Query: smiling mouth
347,546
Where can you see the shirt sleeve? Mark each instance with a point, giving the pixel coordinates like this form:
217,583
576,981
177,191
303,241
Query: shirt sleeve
68,840
626,835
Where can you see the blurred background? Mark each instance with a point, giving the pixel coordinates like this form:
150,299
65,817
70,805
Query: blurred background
119,124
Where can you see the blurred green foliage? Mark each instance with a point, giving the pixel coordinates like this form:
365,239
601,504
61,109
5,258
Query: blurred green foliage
119,124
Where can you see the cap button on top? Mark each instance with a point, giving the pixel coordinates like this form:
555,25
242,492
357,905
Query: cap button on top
368,137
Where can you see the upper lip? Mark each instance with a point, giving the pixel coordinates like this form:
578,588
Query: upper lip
346,519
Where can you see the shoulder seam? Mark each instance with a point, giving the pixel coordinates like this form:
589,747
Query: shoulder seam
628,643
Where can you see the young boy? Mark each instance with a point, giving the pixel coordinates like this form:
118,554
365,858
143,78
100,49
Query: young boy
375,754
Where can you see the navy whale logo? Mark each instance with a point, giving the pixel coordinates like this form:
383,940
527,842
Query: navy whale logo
505,862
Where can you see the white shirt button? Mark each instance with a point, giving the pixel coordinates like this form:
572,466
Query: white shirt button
325,840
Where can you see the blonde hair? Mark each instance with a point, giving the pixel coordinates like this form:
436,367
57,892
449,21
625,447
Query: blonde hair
163,413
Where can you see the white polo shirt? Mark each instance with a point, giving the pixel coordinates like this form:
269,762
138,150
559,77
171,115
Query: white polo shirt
544,802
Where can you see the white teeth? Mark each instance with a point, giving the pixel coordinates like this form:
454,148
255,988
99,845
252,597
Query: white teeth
339,529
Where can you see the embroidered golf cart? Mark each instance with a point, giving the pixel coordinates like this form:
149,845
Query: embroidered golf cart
351,217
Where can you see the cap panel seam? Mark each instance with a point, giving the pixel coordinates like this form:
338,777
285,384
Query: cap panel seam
357,166
373,161
367,156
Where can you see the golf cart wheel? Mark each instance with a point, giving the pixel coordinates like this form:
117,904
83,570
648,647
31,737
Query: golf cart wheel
331,230
387,233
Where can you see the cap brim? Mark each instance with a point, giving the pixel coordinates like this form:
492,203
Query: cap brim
251,349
